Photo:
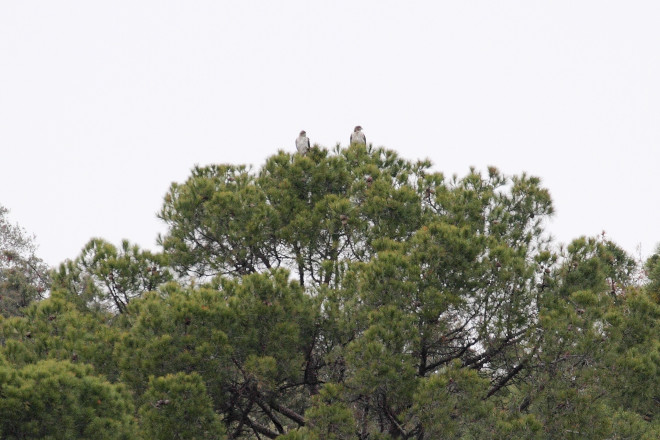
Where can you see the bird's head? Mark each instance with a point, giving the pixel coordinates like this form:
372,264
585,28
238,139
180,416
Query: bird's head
303,133
358,128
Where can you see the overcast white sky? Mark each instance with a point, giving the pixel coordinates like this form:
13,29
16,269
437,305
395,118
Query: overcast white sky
104,103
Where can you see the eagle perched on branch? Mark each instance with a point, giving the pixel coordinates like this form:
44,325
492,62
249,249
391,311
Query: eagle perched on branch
302,143
357,137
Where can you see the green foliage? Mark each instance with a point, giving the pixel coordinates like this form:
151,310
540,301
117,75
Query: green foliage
248,340
55,329
634,358
451,404
589,364
218,220
307,213
59,400
652,267
177,407
23,276
341,295
180,333
328,417
105,277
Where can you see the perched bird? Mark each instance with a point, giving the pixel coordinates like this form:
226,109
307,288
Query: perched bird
302,143
357,137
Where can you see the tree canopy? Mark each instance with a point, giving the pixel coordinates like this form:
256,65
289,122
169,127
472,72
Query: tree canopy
23,275
343,294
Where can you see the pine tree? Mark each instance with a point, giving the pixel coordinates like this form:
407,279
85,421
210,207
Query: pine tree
338,295
23,276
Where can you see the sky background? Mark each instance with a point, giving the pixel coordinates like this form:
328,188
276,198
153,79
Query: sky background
104,103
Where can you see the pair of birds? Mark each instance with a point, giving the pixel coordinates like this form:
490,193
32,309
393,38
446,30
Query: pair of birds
302,143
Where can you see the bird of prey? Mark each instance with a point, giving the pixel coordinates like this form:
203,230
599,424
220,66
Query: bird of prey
302,143
357,137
